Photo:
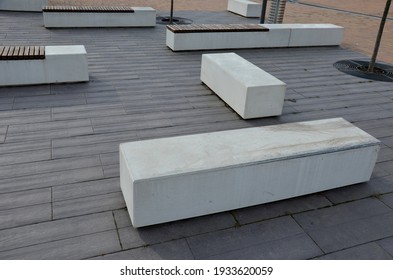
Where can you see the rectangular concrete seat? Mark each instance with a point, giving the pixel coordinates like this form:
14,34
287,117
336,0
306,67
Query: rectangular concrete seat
247,89
180,177
23,5
29,65
87,16
195,37
245,8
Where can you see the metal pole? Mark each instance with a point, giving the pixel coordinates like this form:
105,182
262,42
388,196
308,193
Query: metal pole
263,12
171,17
379,36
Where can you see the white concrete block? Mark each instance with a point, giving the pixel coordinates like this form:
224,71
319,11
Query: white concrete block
23,5
141,17
61,64
250,91
244,8
181,177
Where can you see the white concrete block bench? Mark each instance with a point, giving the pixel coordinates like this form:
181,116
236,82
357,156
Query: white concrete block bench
245,8
23,5
29,65
247,89
79,16
180,177
240,36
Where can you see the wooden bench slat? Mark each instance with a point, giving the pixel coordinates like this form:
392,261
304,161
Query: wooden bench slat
217,28
22,52
87,9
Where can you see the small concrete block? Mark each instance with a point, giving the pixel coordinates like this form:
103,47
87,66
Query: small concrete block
23,5
244,8
246,88
187,176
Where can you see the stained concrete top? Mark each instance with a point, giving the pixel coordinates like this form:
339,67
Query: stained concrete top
208,151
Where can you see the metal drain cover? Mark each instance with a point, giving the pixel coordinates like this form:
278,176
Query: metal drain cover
176,20
358,68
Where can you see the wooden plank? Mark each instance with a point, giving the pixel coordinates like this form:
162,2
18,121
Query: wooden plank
87,9
217,28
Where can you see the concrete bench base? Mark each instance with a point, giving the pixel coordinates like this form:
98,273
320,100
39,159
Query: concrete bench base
244,8
140,17
23,5
279,35
250,91
187,176
62,64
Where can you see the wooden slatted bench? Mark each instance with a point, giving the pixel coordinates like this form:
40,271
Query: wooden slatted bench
89,16
245,8
22,52
180,177
23,5
240,36
29,65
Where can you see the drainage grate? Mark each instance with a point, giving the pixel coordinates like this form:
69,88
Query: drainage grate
176,20
382,72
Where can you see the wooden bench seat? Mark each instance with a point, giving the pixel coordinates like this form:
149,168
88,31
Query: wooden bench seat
30,65
88,16
22,52
204,28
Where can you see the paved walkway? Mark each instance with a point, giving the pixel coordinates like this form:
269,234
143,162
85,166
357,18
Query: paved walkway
360,30
59,172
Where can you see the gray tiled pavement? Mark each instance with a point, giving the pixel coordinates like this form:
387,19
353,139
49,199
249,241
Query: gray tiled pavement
59,170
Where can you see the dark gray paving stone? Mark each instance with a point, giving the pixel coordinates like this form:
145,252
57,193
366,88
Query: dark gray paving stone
172,250
225,241
297,247
385,154
53,178
25,116
25,198
3,132
341,214
55,230
109,158
369,251
86,189
87,111
25,215
280,208
31,146
375,187
88,205
46,126
387,166
111,171
387,199
25,157
131,237
76,248
387,245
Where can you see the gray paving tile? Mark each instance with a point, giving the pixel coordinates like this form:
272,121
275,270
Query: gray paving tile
131,237
88,205
46,126
76,248
25,215
280,208
111,171
369,251
297,247
25,157
3,132
25,198
387,199
341,214
31,146
86,189
387,245
24,116
225,241
55,230
375,187
172,250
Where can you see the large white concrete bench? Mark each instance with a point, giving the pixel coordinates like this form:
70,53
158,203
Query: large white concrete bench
247,89
180,177
29,65
23,5
234,36
77,16
245,8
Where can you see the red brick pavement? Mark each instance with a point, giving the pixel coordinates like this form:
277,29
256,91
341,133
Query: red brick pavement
360,30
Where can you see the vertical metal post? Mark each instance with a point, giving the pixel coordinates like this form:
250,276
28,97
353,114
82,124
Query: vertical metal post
171,16
263,12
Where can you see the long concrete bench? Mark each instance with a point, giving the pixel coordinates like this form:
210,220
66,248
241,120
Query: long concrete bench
77,16
29,65
250,91
245,8
208,37
180,177
23,5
